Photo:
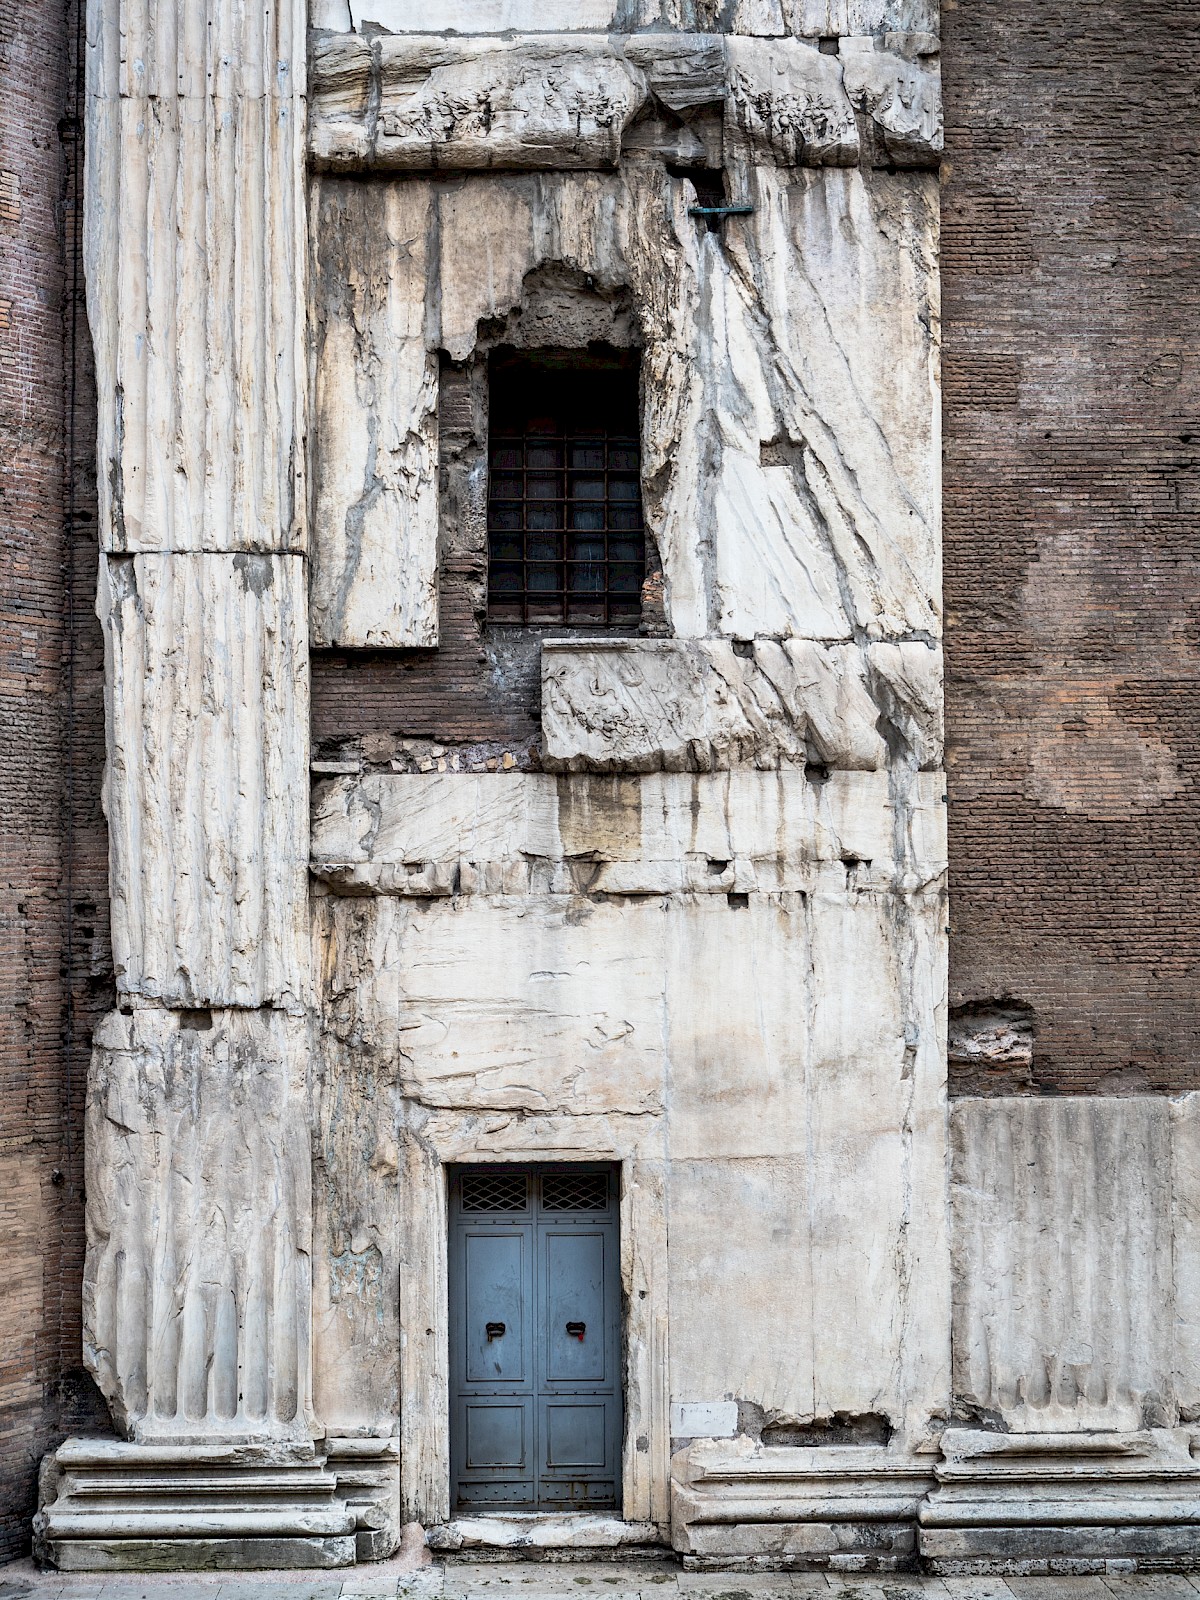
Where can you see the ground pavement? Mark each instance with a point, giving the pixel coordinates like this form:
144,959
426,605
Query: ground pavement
573,1581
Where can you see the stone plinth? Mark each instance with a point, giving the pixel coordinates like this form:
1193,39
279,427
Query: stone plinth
1063,1502
109,1507
739,1504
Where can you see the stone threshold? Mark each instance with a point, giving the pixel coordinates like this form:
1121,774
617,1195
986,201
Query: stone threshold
529,1533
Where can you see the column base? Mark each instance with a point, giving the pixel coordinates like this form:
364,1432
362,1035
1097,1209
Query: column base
108,1506
367,1469
1062,1503
845,1509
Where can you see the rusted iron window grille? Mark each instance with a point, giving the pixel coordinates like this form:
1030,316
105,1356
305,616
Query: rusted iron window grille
566,540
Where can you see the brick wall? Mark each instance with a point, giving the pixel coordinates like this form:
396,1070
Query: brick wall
1071,216
53,961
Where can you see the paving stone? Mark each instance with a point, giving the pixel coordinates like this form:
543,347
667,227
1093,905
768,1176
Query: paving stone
1064,1588
1152,1586
982,1588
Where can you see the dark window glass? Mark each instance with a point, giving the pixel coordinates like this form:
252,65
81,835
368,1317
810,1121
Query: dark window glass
566,542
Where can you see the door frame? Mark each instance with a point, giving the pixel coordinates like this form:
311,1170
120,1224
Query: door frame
446,1139
539,1396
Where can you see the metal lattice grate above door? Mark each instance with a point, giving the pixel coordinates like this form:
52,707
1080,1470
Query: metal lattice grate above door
494,1191
570,1191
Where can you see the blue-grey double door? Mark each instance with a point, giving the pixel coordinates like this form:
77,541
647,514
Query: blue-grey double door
535,1338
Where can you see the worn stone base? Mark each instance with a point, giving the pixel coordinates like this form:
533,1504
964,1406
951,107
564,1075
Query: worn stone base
844,1509
805,1547
198,1555
1039,1551
530,1535
109,1506
1058,1503
367,1470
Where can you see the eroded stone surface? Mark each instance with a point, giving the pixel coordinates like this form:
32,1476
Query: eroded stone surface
900,89
1064,1299
413,103
726,1036
374,565
417,103
529,833
700,706
818,450
207,703
197,1289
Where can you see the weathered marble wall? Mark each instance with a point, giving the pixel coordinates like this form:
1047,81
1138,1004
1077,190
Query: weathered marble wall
668,968
708,941
789,363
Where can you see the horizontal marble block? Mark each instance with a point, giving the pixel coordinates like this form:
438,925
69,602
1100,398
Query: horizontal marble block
417,103
1062,1254
702,705
207,713
740,1501
412,102
197,1285
529,833
790,103
901,93
519,1532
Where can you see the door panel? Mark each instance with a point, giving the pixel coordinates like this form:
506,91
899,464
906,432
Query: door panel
536,1413
574,1285
497,1299
575,1434
496,1435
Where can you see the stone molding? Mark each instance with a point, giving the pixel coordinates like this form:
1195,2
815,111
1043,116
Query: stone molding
110,1507
736,1503
1062,1502
415,103
772,19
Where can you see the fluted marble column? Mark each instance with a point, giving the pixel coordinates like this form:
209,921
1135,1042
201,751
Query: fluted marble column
197,1295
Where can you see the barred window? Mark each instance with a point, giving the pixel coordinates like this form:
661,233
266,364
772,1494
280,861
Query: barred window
566,542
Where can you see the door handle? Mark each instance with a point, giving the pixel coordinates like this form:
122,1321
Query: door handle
495,1330
576,1330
